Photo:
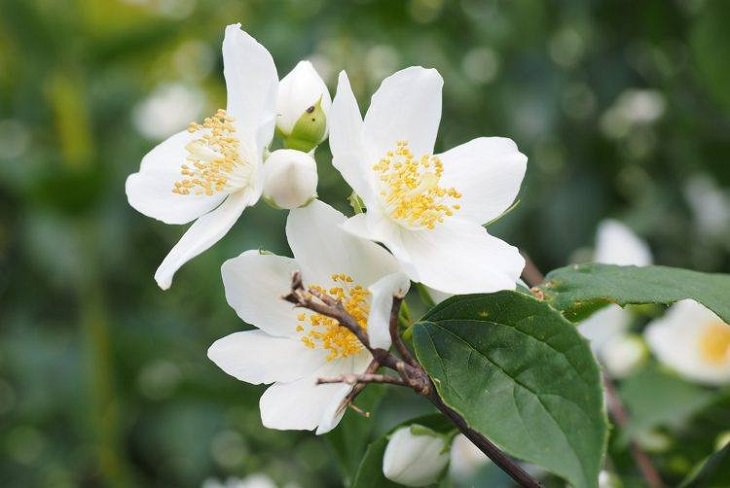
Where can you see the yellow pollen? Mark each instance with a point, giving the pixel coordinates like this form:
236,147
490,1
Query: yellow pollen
211,158
319,331
411,188
715,343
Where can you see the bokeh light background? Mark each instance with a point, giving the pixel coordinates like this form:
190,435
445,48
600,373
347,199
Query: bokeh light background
622,107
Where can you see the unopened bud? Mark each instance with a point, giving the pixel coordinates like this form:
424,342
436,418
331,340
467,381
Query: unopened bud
302,106
290,179
415,456
466,459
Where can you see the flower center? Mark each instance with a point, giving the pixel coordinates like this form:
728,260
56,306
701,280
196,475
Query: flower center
410,187
213,158
715,343
319,331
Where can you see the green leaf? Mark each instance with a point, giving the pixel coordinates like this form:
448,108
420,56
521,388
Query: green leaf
581,289
370,472
522,375
656,398
713,473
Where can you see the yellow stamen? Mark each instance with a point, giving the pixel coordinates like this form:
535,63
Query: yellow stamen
211,158
411,188
319,331
715,343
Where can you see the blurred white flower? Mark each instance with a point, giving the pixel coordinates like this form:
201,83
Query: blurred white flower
633,108
292,348
415,456
710,205
211,172
605,329
427,209
169,109
257,480
693,341
302,106
290,178
466,459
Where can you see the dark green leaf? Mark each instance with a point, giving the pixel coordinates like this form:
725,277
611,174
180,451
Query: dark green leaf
713,473
521,374
579,290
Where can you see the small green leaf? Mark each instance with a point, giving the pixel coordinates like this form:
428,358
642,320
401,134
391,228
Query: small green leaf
713,473
655,399
370,472
309,130
522,375
579,290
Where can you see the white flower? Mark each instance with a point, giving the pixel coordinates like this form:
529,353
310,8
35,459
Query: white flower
167,110
211,172
427,209
294,347
303,95
415,456
693,341
710,205
257,480
466,459
615,244
621,355
290,178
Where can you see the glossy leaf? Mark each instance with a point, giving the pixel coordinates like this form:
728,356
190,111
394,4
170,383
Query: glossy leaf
521,374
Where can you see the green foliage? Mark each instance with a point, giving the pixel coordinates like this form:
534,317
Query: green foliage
519,373
656,398
712,473
579,290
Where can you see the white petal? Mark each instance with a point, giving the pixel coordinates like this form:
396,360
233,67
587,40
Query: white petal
458,257
322,248
487,172
617,244
675,340
205,232
301,404
254,285
349,154
256,357
301,88
407,106
150,190
252,84
605,325
466,459
333,413
382,293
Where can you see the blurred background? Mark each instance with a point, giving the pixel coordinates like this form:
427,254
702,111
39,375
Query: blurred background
623,109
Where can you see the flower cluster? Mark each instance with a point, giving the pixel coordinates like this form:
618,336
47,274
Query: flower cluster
424,218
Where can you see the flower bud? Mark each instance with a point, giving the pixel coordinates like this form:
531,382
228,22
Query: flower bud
415,456
466,459
301,107
290,178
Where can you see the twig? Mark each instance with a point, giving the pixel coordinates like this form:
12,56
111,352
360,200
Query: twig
531,274
395,338
411,373
619,414
354,379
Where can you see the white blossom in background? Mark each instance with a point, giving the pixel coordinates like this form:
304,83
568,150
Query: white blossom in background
258,480
211,172
293,347
169,109
415,456
633,109
302,106
427,209
710,205
466,459
290,178
693,341
606,329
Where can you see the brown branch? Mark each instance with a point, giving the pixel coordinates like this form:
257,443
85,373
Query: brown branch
355,379
395,338
411,373
531,274
621,416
